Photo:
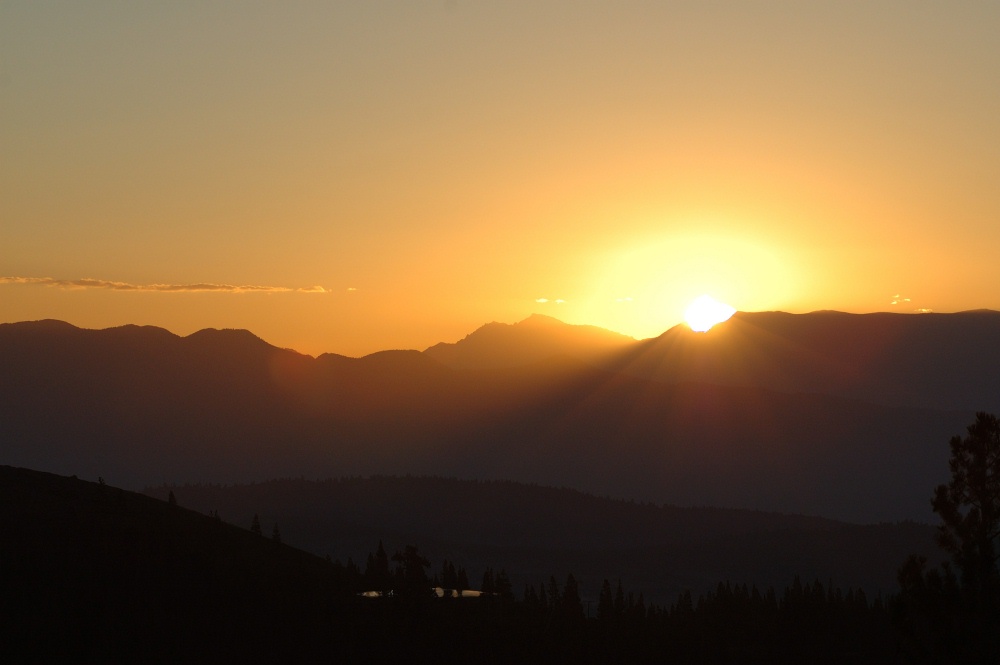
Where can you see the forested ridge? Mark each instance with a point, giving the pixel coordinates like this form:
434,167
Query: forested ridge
534,530
123,577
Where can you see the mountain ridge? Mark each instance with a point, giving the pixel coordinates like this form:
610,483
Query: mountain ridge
495,345
929,360
530,529
683,418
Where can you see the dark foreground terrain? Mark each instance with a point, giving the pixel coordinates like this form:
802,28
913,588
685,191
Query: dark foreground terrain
92,573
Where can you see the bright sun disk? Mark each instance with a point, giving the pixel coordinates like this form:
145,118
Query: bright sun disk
705,311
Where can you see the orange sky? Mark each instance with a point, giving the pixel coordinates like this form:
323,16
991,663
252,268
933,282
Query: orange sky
437,165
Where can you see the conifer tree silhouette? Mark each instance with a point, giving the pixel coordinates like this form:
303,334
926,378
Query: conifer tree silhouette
571,600
605,603
951,616
969,507
411,572
377,575
502,586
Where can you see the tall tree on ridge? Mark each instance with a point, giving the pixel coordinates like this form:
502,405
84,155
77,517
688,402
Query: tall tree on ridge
949,617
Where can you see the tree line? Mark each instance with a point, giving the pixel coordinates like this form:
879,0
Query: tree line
949,614
945,615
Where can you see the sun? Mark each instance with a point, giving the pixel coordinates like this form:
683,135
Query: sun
705,311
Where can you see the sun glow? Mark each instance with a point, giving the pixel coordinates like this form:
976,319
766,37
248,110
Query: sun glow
705,311
648,280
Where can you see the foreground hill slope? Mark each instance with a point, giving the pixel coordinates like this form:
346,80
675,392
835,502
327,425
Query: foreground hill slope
141,406
92,573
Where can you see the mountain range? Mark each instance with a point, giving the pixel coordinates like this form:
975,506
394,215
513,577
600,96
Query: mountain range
839,415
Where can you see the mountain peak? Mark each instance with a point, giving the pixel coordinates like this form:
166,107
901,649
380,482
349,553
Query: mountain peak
531,340
541,319
47,325
228,339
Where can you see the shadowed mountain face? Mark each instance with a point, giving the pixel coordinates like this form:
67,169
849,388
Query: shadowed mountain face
762,412
535,339
944,361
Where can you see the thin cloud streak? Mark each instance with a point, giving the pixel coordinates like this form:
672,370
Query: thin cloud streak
88,283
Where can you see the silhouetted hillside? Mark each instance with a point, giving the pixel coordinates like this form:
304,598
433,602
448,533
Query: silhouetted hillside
532,530
92,573
141,406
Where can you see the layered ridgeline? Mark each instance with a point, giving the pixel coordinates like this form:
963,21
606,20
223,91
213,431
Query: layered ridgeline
93,573
845,416
531,531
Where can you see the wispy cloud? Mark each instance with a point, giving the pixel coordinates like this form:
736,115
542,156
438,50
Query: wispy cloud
542,301
110,285
899,300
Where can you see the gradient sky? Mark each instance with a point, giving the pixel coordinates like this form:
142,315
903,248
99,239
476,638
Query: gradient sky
351,177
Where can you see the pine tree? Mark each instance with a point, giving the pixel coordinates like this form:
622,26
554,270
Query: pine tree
553,592
969,507
502,586
449,578
488,585
377,576
953,614
571,601
619,599
255,525
605,602
411,572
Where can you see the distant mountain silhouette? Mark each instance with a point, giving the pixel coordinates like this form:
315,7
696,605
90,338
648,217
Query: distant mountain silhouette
948,361
536,338
533,530
942,361
755,414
